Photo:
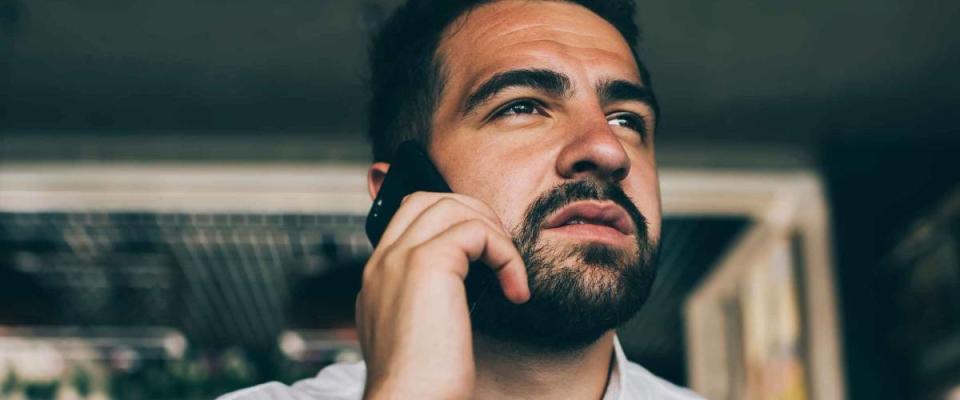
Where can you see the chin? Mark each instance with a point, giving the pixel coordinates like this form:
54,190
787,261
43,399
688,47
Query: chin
579,292
586,277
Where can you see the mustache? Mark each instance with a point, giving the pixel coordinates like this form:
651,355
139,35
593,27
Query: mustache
569,192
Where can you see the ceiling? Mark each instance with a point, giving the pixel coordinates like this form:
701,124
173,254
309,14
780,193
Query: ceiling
761,71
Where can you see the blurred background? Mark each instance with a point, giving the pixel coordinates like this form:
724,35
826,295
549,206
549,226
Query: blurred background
182,196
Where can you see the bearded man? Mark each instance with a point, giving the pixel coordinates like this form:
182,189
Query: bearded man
540,117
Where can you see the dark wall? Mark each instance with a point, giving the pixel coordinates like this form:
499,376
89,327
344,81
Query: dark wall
877,191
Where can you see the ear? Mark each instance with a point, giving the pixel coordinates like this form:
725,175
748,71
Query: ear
375,175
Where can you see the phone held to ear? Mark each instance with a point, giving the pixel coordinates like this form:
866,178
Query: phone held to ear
410,171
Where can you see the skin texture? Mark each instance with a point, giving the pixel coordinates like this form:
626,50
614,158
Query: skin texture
412,314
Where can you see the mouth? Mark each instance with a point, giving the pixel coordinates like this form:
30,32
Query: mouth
602,218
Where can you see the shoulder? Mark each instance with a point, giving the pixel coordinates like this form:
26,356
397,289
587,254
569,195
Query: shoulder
643,384
336,382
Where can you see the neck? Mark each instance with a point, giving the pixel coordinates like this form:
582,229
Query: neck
508,371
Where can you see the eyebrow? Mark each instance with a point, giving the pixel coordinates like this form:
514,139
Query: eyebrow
550,82
613,91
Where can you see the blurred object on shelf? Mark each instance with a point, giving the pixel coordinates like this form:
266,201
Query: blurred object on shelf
79,362
93,343
321,345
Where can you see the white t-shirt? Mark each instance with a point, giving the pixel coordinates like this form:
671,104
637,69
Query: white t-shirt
628,381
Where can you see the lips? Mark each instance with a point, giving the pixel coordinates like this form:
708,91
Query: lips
594,213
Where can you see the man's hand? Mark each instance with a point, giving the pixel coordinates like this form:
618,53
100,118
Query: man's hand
412,314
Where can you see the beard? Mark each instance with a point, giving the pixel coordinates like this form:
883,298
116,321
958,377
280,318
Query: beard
578,291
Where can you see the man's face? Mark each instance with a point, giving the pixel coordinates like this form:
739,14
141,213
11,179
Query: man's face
542,109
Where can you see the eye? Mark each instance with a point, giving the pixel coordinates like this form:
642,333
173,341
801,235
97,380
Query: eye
630,121
518,107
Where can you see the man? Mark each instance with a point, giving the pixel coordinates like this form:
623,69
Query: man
541,119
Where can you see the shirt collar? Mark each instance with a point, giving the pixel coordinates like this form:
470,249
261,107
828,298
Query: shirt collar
617,372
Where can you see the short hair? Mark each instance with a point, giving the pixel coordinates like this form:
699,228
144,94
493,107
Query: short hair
406,72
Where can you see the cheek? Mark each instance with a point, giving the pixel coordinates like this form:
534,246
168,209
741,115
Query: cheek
647,199
509,189
643,186
507,181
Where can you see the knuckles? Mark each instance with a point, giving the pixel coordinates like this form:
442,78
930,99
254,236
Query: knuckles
417,259
475,225
417,197
448,205
393,256
375,265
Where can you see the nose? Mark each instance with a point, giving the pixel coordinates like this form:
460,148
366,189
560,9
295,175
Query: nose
594,151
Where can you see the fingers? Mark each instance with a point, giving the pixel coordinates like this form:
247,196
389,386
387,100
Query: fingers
417,203
436,230
477,241
412,314
438,217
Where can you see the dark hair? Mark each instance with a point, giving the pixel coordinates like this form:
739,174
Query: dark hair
405,71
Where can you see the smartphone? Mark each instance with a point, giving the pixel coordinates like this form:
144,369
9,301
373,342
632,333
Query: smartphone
410,171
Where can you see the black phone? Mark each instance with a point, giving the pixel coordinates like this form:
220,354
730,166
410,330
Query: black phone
410,171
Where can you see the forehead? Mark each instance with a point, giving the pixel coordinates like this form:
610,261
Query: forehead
554,35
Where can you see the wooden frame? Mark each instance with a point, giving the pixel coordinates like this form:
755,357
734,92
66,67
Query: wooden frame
785,208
